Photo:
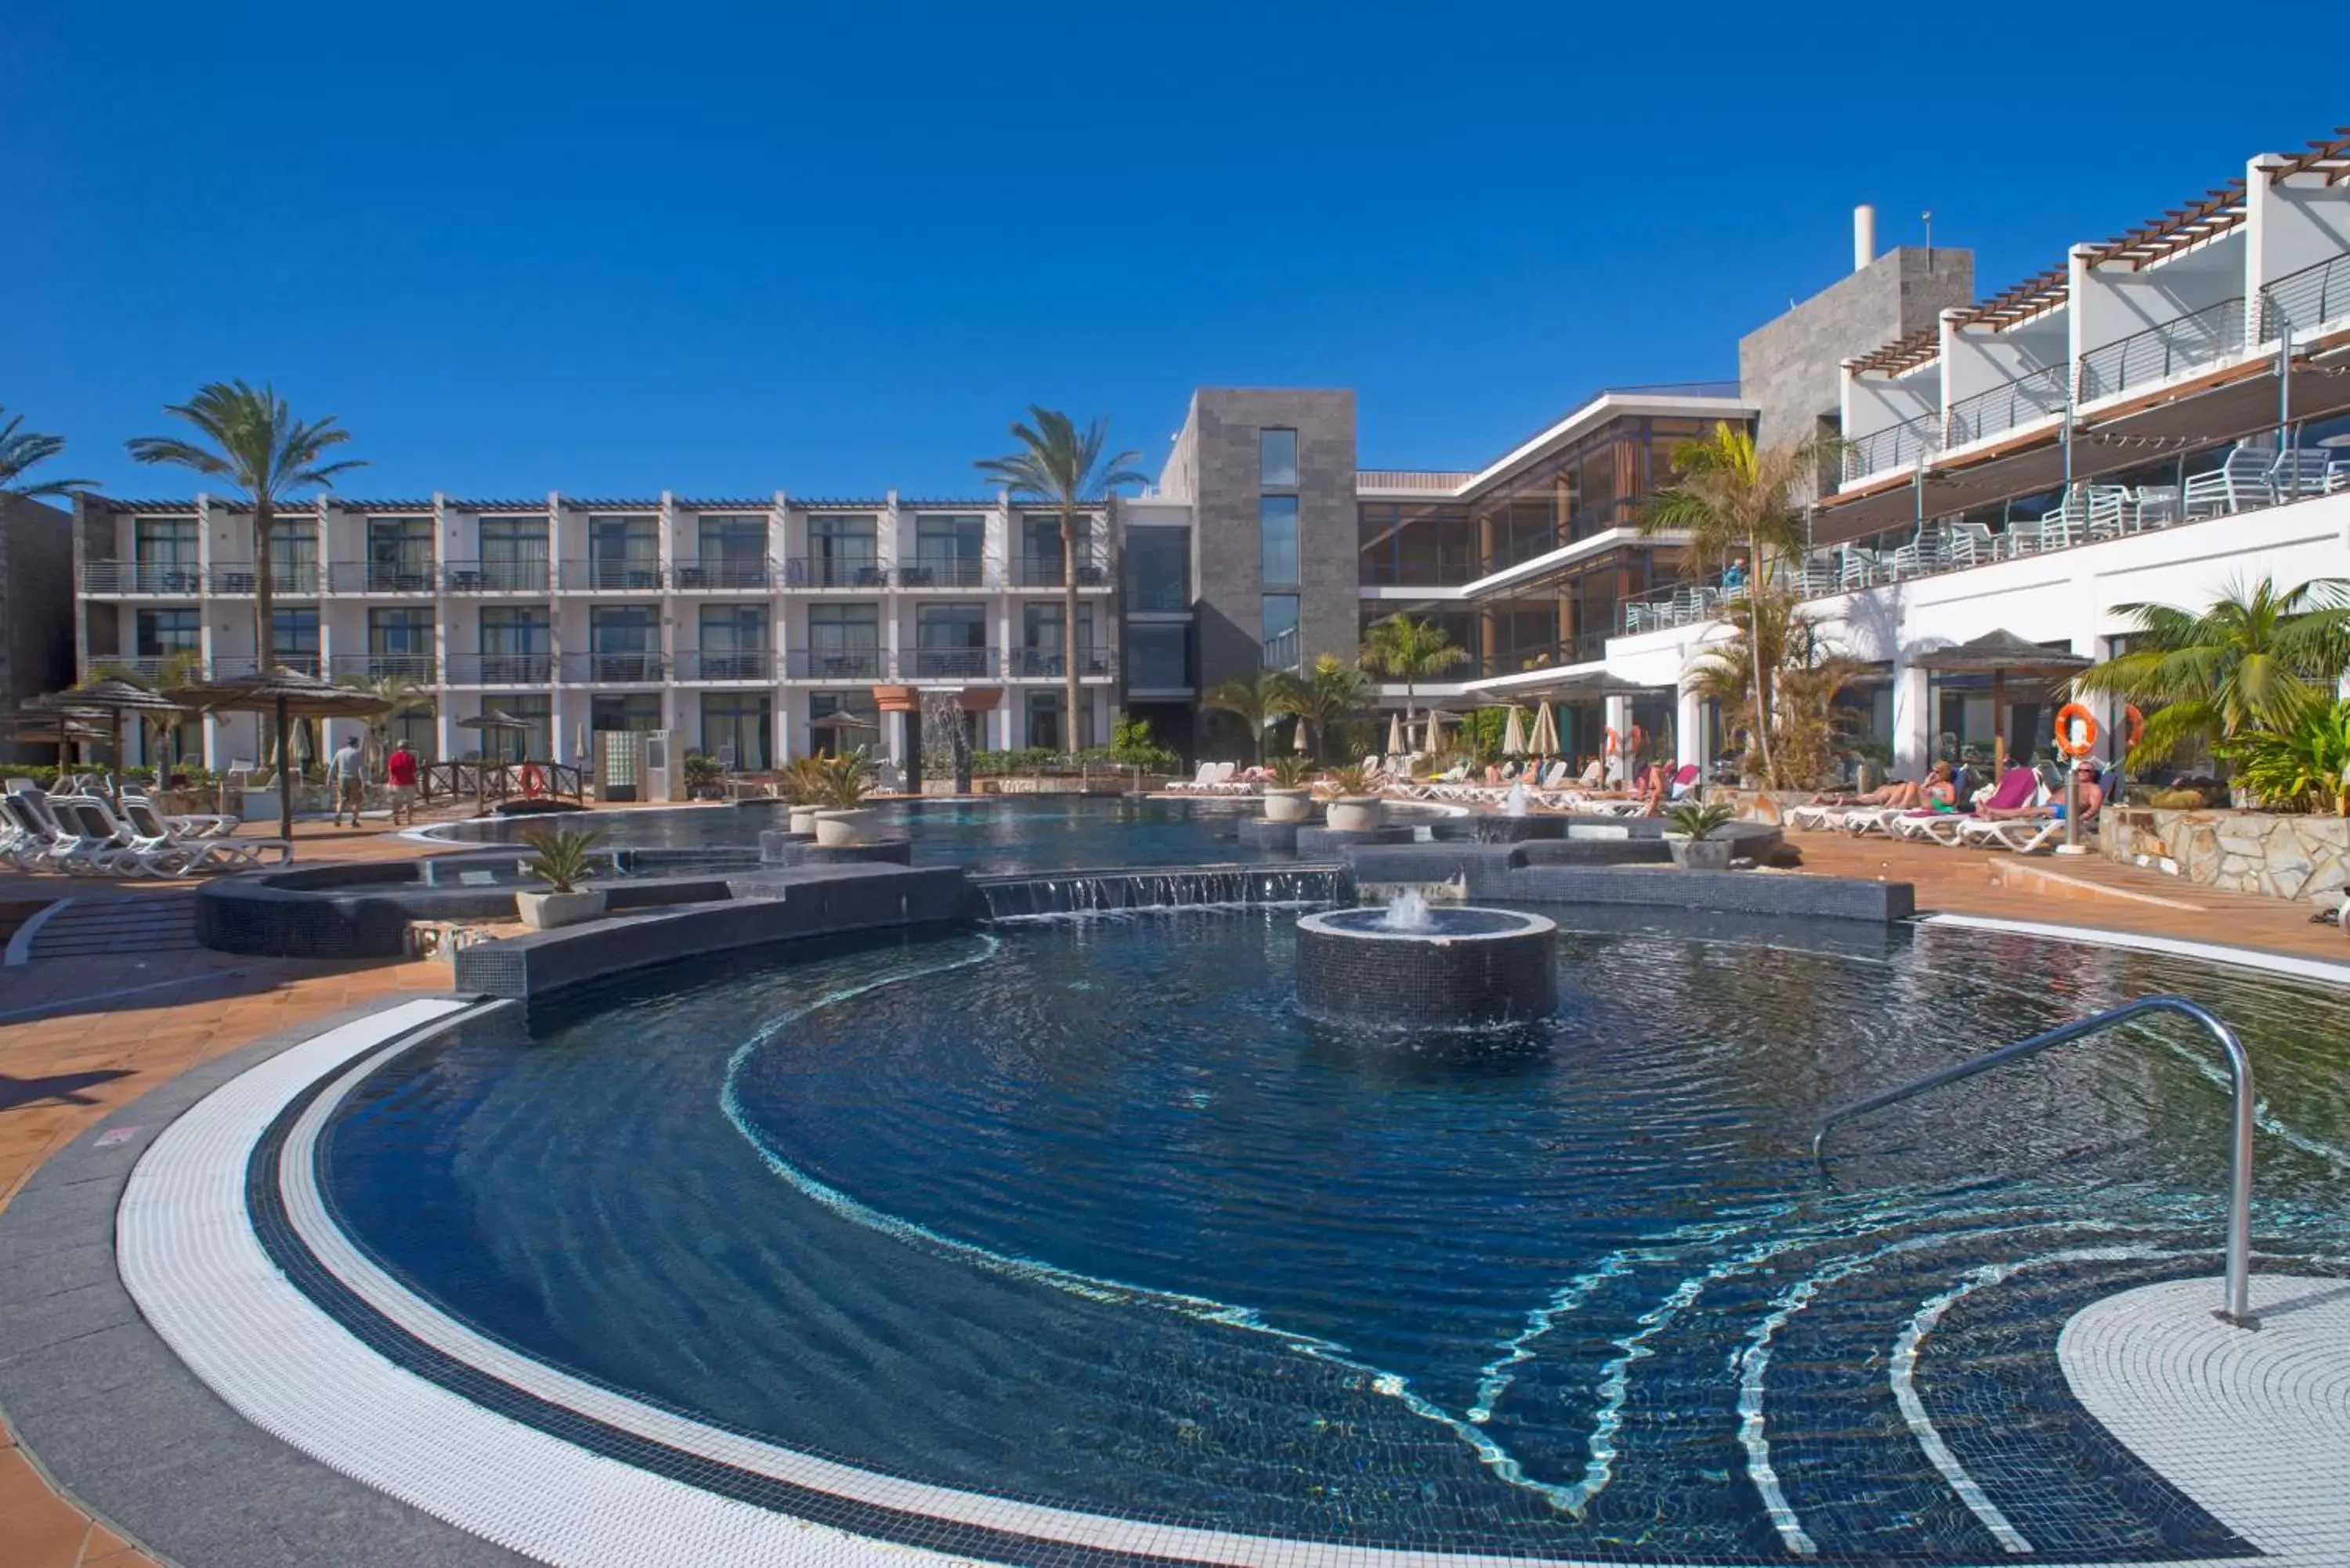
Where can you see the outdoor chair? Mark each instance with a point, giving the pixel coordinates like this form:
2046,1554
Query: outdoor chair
1972,544
150,826
2155,506
2240,483
2298,470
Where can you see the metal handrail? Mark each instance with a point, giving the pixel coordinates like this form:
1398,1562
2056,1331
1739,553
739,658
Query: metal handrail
2238,1310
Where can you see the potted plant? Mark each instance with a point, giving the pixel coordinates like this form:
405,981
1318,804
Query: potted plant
563,862
1354,807
842,817
1287,799
802,786
1691,839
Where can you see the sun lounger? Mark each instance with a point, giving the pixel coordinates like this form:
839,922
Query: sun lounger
198,854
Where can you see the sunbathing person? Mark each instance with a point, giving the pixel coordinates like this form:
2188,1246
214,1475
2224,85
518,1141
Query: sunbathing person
1900,793
2092,793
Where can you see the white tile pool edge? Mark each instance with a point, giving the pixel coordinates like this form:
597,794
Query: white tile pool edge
188,1255
2174,947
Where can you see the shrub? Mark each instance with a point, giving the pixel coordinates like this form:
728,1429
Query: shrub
842,781
1290,771
564,857
2305,768
701,773
1351,780
1699,818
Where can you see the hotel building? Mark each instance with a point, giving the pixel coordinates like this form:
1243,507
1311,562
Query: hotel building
2158,415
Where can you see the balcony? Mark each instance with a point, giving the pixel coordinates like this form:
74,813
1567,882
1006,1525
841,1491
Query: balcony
1040,664
2302,302
725,663
523,577
122,577
501,668
412,578
1891,451
2174,347
605,575
615,667
947,663
415,667
244,666
946,572
724,575
1044,572
1281,652
1157,599
294,579
833,572
2003,408
146,668
844,664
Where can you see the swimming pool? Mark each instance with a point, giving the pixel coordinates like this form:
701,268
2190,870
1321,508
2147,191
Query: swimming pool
1083,1215
1008,832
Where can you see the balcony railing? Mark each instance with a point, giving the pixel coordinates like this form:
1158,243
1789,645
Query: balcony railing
1410,479
1884,451
603,575
416,667
2173,347
1036,663
501,668
412,577
1159,598
834,572
1044,572
946,663
846,664
146,668
2012,403
243,666
528,575
945,572
725,664
1282,652
724,575
622,668
2304,299
124,577
297,580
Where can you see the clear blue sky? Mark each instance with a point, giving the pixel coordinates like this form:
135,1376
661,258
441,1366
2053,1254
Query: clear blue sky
612,249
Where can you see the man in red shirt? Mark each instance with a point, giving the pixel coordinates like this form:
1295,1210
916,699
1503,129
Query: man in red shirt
400,774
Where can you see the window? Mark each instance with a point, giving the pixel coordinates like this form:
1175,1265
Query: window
419,728
1276,459
1043,647
844,642
735,729
513,553
164,632
536,738
949,641
636,710
739,538
844,550
407,630
294,637
734,641
1276,517
1280,615
1158,569
294,555
626,642
1158,657
400,553
948,551
515,642
1044,722
167,542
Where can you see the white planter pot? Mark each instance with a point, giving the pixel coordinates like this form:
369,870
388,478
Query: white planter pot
1357,813
545,911
1288,804
839,829
804,819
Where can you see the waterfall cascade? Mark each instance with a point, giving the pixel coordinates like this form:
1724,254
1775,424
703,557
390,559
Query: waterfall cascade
1030,895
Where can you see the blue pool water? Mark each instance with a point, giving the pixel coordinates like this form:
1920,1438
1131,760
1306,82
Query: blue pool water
1006,833
1084,1212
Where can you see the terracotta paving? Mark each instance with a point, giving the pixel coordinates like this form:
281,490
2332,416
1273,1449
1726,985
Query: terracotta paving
101,1036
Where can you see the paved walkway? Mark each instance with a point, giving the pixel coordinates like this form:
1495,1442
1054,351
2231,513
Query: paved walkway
83,1034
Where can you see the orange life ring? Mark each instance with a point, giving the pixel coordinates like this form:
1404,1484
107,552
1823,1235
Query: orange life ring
533,781
1613,748
2135,722
2073,745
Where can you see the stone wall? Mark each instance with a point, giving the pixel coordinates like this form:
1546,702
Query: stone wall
2242,851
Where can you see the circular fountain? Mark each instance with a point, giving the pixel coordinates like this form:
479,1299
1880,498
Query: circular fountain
1412,965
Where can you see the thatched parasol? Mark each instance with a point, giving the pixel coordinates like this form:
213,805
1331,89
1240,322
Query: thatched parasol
288,694
110,698
64,729
837,720
1999,654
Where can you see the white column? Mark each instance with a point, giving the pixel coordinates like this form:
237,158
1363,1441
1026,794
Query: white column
1619,719
1913,722
1689,722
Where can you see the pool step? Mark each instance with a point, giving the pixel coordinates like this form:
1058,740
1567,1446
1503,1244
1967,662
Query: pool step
116,926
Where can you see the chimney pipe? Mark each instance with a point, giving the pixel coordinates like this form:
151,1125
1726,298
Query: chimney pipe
1864,236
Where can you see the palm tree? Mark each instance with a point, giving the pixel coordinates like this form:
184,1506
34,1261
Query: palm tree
1803,668
1058,465
2262,658
1332,695
401,696
257,445
1405,650
1256,701
20,449
1733,498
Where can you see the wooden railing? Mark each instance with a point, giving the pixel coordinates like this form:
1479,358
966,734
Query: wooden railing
496,779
